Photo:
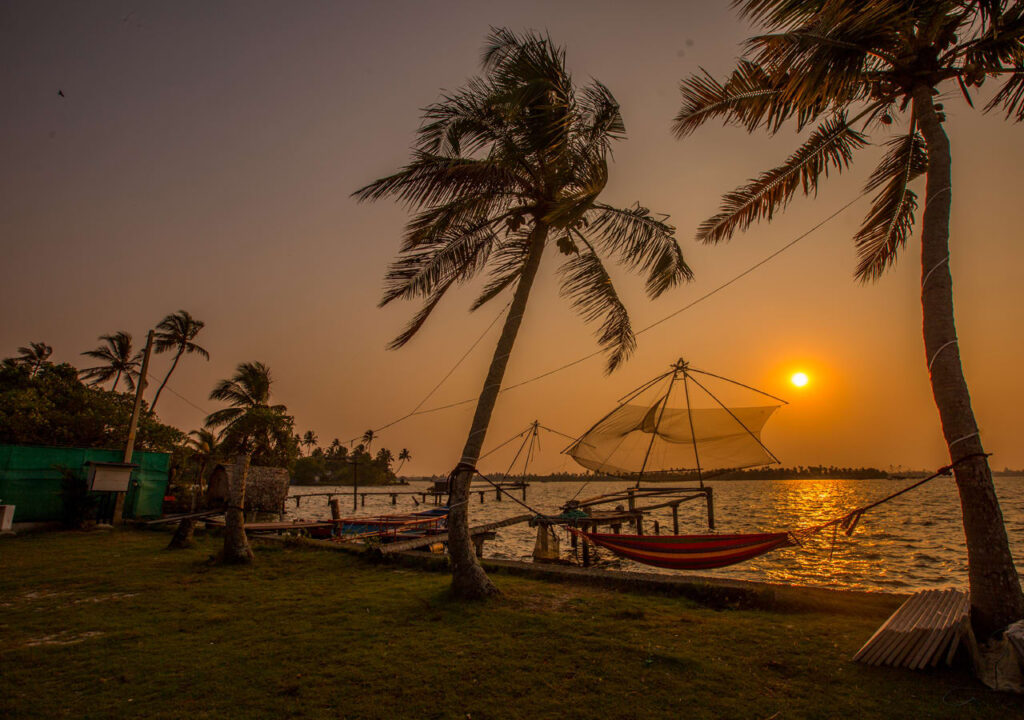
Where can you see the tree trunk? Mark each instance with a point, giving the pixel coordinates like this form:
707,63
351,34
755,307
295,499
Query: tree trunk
469,581
996,596
152,405
182,538
236,545
116,378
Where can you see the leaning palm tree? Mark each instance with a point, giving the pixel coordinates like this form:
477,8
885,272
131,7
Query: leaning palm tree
404,456
34,357
510,164
176,332
116,355
877,65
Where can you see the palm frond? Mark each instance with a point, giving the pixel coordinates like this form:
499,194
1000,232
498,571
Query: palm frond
588,287
1010,97
891,218
505,267
830,146
748,98
642,242
436,294
417,272
435,179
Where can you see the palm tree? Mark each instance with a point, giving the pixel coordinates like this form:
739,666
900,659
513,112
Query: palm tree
309,440
251,425
34,357
116,354
403,457
203,445
368,437
176,332
883,61
513,161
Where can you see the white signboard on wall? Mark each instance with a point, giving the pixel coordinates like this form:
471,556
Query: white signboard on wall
109,477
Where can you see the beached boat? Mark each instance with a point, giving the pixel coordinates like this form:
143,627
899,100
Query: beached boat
389,528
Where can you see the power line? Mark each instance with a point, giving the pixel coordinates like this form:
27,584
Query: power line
656,323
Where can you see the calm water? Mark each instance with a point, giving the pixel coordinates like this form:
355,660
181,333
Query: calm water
911,543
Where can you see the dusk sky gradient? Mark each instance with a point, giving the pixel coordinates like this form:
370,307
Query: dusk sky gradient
204,154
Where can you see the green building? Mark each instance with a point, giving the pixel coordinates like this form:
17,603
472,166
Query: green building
31,477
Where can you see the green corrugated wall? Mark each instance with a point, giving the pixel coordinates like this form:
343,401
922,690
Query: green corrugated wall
30,479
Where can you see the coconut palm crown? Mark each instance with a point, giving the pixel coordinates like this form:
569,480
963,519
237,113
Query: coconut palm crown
851,68
251,425
34,357
515,155
177,332
514,161
116,355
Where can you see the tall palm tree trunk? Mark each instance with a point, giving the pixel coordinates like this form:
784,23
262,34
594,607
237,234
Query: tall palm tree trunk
996,596
469,581
152,405
116,378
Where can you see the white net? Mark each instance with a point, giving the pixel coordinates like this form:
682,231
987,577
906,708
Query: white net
656,437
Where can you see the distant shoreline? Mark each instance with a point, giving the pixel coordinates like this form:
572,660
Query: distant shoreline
800,473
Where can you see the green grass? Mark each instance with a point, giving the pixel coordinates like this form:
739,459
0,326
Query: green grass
112,625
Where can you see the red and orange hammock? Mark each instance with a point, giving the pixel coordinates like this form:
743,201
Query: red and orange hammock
688,552
703,552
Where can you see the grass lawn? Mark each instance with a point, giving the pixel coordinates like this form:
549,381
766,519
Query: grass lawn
109,624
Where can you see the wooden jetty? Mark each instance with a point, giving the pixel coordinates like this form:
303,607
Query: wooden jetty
435,494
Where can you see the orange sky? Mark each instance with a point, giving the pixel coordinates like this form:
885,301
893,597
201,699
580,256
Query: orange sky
202,158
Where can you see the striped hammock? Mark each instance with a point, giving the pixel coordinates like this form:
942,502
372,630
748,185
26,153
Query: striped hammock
688,552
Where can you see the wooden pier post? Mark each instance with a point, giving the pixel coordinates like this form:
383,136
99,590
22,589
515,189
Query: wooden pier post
362,499
497,494
394,498
481,497
524,492
657,528
675,518
711,508
335,504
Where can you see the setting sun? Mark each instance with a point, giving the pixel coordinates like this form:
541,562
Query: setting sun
799,379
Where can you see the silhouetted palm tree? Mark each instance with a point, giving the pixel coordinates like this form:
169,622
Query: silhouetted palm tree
403,457
882,61
116,354
309,440
515,160
34,357
251,425
203,444
368,437
176,332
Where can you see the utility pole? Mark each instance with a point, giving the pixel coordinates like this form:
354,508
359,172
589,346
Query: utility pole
133,425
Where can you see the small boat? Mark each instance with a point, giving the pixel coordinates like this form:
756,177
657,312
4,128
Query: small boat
390,528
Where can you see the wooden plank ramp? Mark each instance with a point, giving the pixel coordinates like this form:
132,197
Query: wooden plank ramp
925,630
404,545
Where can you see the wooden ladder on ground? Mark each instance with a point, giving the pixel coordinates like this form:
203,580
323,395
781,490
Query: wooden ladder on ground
925,630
